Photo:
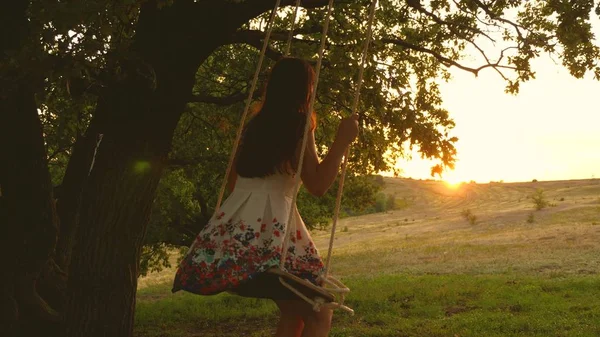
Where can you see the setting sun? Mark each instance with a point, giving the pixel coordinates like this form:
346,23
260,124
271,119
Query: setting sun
453,183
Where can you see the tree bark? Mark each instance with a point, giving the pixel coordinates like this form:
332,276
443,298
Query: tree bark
28,219
69,200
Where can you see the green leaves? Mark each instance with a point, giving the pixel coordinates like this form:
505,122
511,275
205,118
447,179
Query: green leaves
78,48
562,28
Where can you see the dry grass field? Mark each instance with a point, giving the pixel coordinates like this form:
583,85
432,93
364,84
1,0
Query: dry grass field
429,234
470,260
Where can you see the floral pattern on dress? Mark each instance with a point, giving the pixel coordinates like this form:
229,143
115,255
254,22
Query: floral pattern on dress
228,253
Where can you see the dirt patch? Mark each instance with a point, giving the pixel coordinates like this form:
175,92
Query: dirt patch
457,309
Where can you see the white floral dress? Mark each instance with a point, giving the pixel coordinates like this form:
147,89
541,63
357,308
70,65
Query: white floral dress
245,239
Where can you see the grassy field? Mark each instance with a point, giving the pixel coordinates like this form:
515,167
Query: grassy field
426,270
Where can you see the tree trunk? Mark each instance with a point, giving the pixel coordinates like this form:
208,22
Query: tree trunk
28,207
69,198
114,211
28,219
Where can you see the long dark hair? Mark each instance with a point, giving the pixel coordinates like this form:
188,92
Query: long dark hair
272,136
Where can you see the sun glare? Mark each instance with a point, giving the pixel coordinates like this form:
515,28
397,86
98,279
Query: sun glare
452,183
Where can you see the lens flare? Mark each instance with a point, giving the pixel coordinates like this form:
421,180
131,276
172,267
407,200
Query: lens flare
141,166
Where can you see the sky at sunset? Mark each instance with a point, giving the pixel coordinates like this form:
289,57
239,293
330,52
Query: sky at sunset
549,131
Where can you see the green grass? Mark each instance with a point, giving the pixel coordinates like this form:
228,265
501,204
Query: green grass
400,305
160,313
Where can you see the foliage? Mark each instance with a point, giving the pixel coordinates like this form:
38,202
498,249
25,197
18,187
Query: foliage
78,49
154,257
539,199
359,197
390,203
384,203
380,203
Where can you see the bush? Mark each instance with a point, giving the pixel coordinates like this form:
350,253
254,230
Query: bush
469,216
378,179
539,200
385,202
530,218
380,202
390,202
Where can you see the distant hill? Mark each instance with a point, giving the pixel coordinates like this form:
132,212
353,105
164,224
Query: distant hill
430,232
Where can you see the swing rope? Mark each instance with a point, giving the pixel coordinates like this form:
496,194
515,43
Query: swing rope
288,43
338,200
307,127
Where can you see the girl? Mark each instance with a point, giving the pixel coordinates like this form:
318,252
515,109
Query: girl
240,243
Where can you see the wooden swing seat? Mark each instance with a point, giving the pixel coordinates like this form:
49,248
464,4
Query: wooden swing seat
330,295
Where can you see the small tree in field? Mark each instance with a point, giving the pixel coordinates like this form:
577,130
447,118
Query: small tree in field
539,200
469,216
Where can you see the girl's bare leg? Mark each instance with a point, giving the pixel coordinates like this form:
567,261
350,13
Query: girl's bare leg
317,324
291,323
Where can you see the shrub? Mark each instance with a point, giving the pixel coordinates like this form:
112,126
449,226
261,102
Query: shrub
380,202
539,200
469,216
390,203
530,218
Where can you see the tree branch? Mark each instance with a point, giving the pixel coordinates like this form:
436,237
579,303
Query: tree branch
181,162
493,16
223,100
61,149
247,35
445,60
441,21
254,39
303,3
269,52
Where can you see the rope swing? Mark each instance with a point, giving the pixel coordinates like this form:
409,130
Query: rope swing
332,293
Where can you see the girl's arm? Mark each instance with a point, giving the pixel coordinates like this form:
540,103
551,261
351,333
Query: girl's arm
317,175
